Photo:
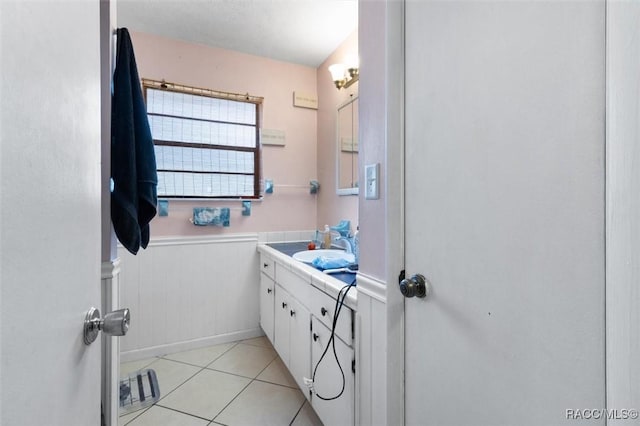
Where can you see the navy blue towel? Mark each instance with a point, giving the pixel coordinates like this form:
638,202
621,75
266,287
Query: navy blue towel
133,162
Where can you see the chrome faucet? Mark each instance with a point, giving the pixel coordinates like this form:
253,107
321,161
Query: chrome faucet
347,245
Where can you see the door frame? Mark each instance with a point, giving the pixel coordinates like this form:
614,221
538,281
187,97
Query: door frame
395,206
110,346
622,206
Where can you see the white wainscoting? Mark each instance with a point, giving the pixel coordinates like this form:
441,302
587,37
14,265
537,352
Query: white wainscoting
371,352
189,292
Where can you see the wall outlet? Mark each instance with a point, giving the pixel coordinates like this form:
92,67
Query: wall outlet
372,183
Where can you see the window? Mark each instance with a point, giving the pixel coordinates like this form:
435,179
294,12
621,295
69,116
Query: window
206,142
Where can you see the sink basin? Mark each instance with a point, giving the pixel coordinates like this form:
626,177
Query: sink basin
307,256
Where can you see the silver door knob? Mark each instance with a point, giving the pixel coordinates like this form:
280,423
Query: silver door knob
114,323
415,286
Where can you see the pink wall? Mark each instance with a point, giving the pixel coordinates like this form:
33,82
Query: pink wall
331,207
373,141
296,163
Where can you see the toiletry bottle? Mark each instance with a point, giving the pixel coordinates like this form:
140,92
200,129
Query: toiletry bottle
327,237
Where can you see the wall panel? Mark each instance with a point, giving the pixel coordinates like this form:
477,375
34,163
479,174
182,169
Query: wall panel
185,293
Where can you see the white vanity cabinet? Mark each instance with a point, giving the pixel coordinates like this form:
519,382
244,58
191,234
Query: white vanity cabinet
328,379
292,342
297,318
267,299
267,295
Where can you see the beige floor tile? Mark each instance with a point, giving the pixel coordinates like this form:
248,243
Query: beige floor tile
172,374
258,341
262,404
156,416
130,367
306,417
244,360
201,357
123,420
277,373
206,394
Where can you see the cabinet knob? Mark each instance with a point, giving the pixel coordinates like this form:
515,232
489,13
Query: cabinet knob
269,290
323,311
284,305
292,312
315,337
265,265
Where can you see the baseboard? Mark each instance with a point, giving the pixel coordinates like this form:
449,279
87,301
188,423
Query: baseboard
189,345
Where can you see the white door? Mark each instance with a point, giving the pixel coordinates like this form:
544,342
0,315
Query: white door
505,211
50,212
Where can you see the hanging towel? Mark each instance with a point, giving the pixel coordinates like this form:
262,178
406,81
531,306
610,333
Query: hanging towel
133,162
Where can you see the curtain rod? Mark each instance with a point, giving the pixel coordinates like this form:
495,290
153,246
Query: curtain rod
165,85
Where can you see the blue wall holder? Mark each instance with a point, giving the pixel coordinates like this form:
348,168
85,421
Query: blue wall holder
163,207
268,186
246,208
314,187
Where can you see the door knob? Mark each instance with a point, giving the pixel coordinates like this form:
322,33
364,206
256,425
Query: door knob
114,323
414,286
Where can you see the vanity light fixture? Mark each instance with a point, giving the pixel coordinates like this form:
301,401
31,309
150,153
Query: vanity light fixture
345,75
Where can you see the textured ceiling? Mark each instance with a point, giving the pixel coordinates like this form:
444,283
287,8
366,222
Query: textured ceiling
299,31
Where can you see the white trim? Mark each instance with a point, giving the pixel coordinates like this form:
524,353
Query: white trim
372,287
395,206
208,239
110,269
160,350
357,317
110,362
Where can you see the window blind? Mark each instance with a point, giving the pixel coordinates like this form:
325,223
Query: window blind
206,147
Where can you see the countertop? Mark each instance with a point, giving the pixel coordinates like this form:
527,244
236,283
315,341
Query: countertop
329,283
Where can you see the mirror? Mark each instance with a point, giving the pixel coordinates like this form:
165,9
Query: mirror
347,148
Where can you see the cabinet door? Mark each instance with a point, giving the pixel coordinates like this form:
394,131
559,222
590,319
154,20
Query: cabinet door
300,344
281,324
267,297
328,379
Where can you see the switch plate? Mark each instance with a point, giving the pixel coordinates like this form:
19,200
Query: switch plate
372,184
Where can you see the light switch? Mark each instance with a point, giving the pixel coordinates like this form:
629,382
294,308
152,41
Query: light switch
372,184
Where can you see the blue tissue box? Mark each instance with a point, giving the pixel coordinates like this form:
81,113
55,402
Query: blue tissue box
208,216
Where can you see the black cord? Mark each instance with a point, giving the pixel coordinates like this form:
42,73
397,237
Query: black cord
332,342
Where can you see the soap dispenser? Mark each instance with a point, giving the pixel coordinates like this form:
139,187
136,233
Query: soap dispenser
327,237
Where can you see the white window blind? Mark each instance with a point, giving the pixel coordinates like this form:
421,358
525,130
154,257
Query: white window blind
206,147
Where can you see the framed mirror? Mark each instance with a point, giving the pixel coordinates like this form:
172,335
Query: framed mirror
347,148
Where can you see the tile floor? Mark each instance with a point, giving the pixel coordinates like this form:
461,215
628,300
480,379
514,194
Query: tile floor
236,384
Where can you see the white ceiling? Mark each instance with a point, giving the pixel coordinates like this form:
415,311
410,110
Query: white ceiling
298,31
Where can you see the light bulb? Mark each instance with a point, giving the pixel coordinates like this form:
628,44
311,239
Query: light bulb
337,72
